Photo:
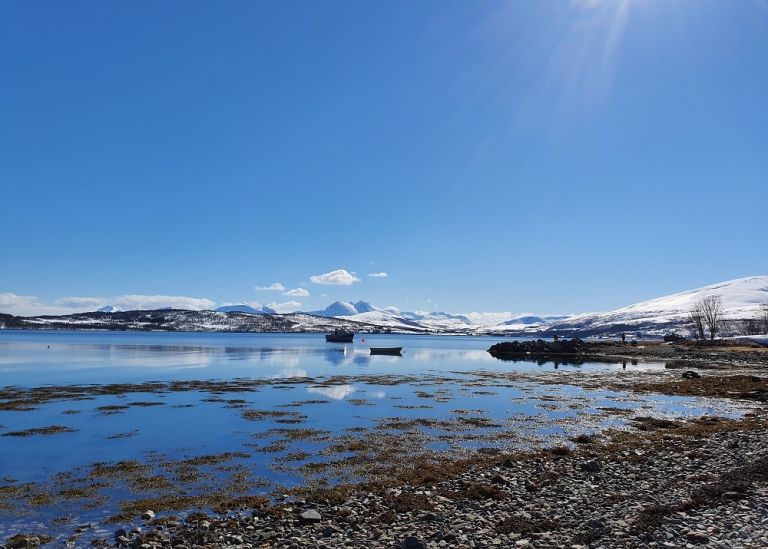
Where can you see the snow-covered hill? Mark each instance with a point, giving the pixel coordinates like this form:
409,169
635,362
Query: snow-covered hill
176,320
741,299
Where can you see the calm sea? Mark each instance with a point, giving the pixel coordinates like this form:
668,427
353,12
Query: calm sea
72,401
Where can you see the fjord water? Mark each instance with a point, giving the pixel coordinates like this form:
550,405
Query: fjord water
182,395
27,357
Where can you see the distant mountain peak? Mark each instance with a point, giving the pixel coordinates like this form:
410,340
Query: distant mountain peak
252,307
338,308
365,307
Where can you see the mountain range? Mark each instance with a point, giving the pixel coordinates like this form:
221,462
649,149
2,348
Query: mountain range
362,311
741,299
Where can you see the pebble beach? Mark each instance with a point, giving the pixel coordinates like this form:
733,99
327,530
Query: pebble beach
701,482
679,486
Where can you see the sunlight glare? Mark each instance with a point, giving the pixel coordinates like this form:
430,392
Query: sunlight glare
581,68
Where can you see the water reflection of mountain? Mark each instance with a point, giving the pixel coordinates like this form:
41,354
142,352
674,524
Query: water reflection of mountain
335,355
362,360
210,349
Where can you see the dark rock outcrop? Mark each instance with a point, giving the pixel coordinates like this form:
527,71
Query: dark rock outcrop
538,347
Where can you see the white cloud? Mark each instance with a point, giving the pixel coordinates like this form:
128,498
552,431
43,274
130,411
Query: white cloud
12,300
276,287
297,292
339,277
148,302
30,306
21,305
81,303
24,305
287,307
379,275
336,392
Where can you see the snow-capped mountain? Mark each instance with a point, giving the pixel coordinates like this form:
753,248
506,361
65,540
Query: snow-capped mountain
253,307
343,308
740,299
529,322
437,321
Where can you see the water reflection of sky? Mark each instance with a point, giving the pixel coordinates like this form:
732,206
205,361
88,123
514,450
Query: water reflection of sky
58,357
331,387
128,356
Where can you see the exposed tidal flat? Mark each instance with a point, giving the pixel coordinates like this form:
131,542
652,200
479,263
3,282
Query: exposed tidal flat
261,440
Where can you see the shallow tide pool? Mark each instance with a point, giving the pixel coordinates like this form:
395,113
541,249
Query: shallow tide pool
143,415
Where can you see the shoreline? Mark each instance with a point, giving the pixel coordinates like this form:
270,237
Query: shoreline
712,354
701,483
571,495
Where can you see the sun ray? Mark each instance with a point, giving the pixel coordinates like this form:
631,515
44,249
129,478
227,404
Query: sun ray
581,68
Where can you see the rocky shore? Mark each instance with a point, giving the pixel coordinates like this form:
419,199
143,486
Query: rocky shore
660,483
701,484
718,353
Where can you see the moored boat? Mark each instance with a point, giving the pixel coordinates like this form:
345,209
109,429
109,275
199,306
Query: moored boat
386,350
340,336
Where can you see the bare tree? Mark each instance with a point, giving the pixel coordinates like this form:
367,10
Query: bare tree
762,318
695,322
729,327
749,326
711,308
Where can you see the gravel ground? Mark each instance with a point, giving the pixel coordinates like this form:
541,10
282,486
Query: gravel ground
702,483
668,485
719,353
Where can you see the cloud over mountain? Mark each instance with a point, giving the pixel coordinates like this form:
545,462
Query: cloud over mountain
276,287
287,307
297,292
134,302
12,302
338,277
80,303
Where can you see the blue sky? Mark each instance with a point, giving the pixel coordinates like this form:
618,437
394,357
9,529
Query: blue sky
546,156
